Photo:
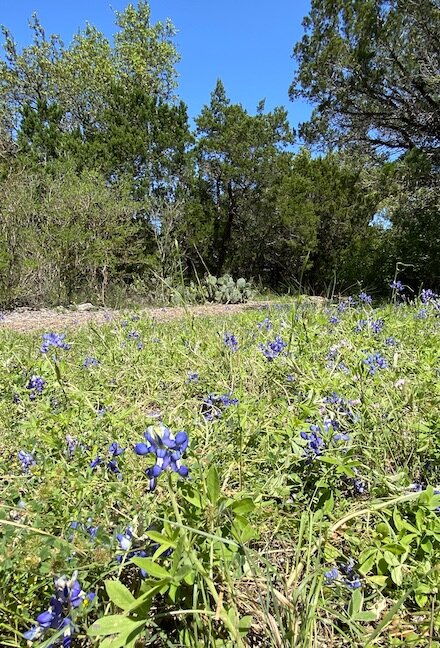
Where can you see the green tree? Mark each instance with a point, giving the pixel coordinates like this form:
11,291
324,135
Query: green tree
236,157
371,68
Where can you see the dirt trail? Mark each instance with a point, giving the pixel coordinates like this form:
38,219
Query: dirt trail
46,319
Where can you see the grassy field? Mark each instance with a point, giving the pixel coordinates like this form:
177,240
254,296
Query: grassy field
261,479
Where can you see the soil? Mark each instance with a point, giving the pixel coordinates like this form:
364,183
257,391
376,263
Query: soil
24,319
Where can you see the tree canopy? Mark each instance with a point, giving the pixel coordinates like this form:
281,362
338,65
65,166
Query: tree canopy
371,68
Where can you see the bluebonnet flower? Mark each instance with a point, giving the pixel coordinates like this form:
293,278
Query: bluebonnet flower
88,528
2,316
68,596
140,346
95,462
333,319
428,295
231,342
375,361
360,326
351,579
422,314
331,576
365,298
266,324
290,378
90,362
168,450
315,443
133,335
124,323
193,377
102,410
36,386
390,341
333,352
27,460
16,398
125,539
54,339
343,367
112,465
377,325
72,444
273,349
213,405
115,449
397,286
347,303
416,487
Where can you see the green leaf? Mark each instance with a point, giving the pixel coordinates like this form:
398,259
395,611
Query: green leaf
119,594
114,624
368,563
161,539
244,625
243,506
213,484
153,569
356,603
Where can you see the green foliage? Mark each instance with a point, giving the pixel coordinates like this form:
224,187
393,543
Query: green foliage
371,70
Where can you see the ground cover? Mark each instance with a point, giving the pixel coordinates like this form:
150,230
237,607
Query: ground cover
267,478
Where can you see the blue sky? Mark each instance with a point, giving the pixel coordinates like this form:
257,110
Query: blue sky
248,44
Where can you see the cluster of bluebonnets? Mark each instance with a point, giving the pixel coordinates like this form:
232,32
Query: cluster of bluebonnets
68,595
167,449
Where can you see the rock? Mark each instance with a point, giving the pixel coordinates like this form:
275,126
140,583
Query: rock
83,308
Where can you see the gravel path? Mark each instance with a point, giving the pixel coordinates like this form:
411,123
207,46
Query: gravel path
24,319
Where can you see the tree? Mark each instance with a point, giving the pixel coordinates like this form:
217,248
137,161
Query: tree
372,70
237,157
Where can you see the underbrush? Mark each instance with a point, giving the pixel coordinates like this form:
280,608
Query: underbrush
263,479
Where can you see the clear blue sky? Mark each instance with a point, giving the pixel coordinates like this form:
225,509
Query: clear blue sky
247,43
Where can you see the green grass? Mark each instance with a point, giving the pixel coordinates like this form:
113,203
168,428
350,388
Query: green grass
236,554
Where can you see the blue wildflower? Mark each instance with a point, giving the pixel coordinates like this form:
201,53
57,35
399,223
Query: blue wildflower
193,377
27,460
168,450
397,286
360,326
115,449
428,295
95,462
333,319
231,342
72,444
266,324
133,335
125,539
90,362
422,314
375,361
365,298
213,405
54,339
68,596
331,575
390,341
377,325
273,349
36,386
351,579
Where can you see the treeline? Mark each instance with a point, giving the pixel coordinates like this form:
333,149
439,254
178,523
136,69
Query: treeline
106,190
